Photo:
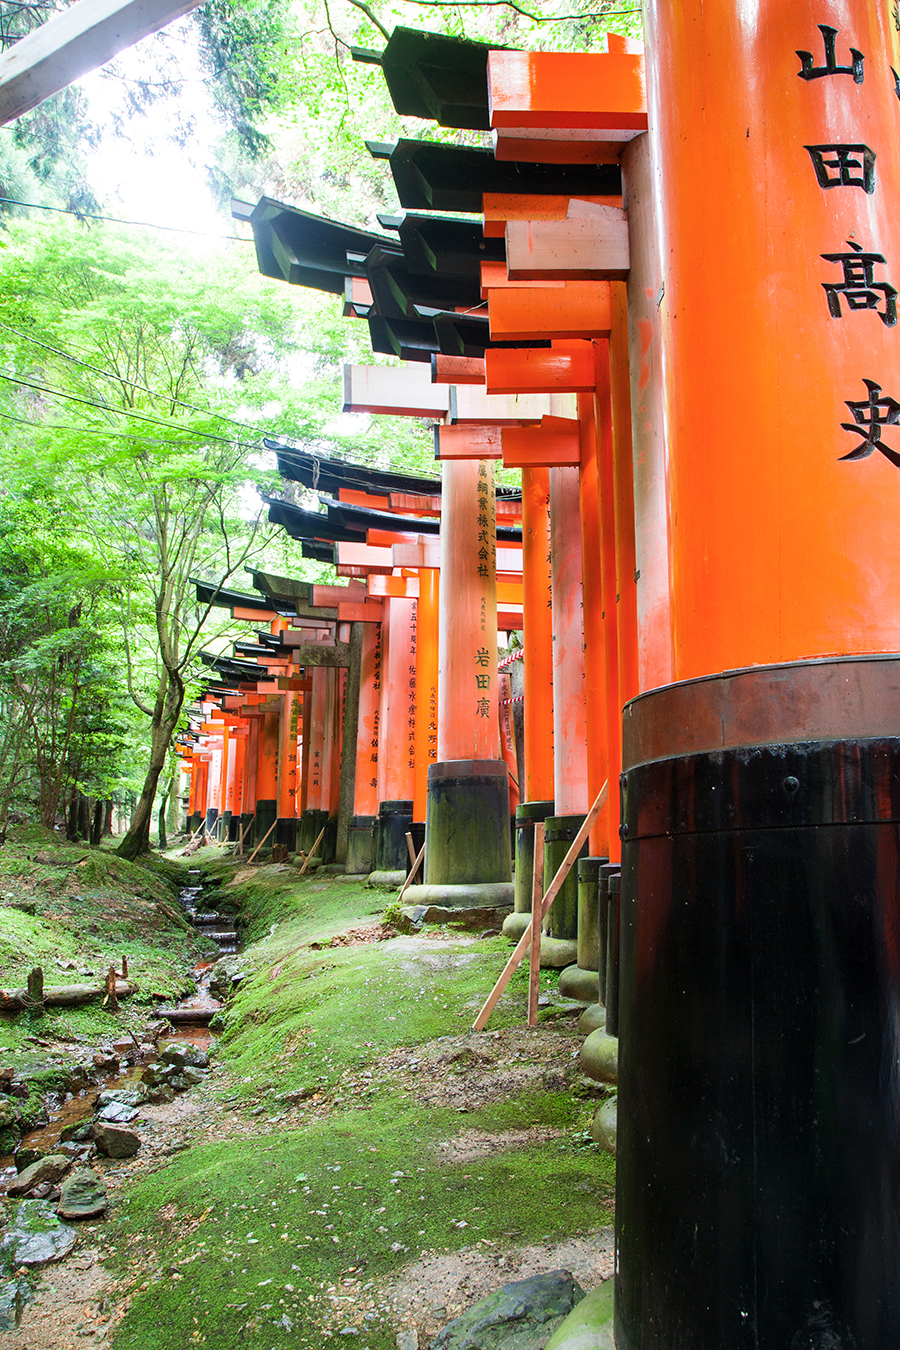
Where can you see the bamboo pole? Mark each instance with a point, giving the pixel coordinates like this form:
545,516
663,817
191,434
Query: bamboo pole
308,859
537,895
553,890
261,842
416,862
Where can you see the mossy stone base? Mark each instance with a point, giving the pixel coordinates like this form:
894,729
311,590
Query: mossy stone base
589,1326
588,870
557,953
582,985
514,925
600,1057
480,917
592,1018
389,880
467,824
603,1126
496,895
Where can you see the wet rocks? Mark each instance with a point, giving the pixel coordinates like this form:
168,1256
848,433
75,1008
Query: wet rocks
34,1237
225,976
83,1196
519,1316
181,1053
13,1294
48,1169
9,1112
117,1113
115,1142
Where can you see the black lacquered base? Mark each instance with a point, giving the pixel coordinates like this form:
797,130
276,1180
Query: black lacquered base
394,819
758,1193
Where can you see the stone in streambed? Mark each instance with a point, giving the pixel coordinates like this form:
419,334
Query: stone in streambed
600,1056
83,1196
35,1237
592,1018
117,1113
589,1326
116,1142
163,1093
519,1316
9,1112
181,1053
13,1294
51,1168
581,985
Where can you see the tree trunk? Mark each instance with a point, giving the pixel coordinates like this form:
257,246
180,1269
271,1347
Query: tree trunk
84,817
163,803
97,825
165,720
108,817
72,819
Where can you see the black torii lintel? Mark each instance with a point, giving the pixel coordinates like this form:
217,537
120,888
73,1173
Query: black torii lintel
304,249
435,76
433,176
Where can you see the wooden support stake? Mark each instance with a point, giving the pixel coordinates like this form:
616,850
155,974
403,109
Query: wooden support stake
36,989
124,967
111,1001
411,849
537,895
415,867
309,857
244,829
261,842
555,887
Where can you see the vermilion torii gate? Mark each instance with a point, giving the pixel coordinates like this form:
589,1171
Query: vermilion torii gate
698,252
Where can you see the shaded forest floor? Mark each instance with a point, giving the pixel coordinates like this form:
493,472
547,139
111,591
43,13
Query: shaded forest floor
356,1166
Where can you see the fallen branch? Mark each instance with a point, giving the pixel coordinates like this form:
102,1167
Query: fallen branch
61,996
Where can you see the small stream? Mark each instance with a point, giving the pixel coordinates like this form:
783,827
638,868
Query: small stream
134,1057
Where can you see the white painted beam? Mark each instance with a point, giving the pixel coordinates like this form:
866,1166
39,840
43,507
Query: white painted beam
74,42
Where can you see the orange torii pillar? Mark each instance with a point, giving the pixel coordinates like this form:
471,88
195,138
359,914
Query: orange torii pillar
758,1161
361,837
314,816
467,854
569,718
427,641
397,716
229,748
289,731
193,820
251,757
267,772
537,619
331,766
214,788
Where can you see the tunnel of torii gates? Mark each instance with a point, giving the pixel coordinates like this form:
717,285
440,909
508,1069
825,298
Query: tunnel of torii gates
668,295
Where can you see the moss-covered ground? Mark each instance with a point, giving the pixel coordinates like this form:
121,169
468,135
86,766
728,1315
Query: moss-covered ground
75,911
278,1229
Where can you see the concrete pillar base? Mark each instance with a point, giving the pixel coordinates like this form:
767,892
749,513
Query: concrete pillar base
361,845
527,813
266,815
588,870
467,826
391,853
559,834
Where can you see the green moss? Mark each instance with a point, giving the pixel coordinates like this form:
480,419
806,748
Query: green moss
295,1209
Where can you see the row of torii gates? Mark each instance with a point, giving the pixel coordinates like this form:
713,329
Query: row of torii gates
669,281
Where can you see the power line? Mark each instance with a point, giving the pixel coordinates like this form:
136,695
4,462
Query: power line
114,220
120,379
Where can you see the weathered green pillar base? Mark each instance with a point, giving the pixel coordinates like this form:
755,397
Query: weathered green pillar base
391,853
193,822
589,913
527,813
361,845
559,832
594,1016
212,816
224,826
326,849
490,895
600,1056
467,823
515,924
391,881
245,823
581,985
589,1326
311,822
266,815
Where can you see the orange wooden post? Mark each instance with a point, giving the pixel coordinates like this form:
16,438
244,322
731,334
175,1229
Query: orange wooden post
507,739
538,630
312,817
267,772
596,720
240,763
569,714
193,798
228,752
361,837
626,581
426,686
467,824
286,830
609,596
214,789
396,725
